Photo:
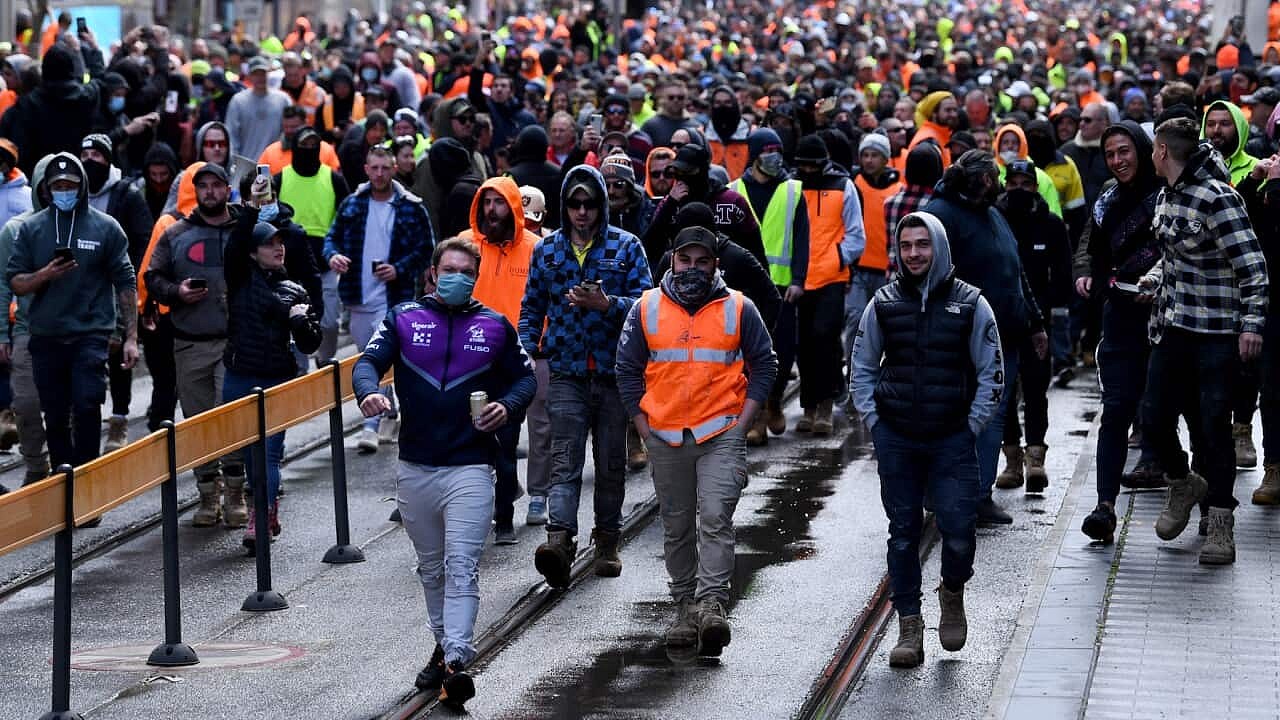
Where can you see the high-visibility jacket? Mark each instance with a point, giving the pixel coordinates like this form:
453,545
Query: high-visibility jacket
278,158
875,256
312,199
777,226
826,231
357,110
694,378
731,155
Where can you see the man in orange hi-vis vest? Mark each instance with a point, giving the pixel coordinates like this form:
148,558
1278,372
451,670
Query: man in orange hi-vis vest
695,364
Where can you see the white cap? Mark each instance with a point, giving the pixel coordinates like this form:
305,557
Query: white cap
534,202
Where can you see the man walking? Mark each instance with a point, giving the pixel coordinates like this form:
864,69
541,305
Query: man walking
926,379
445,348
684,359
583,280
1208,317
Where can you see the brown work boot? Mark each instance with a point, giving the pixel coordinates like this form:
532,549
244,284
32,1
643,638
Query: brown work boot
684,631
117,434
909,652
1037,478
1184,494
607,563
1246,453
758,433
776,418
953,628
1011,476
209,512
554,558
822,424
1220,547
805,423
714,632
1268,493
637,455
235,514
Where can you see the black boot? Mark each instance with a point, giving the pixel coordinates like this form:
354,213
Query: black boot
989,513
1100,525
457,687
431,677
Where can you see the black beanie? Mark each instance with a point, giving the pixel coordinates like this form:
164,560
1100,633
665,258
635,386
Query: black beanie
57,65
758,140
811,149
924,165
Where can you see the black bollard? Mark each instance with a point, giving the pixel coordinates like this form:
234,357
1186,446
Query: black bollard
343,551
264,599
172,652
62,605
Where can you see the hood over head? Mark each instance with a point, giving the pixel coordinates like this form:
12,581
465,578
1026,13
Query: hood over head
1022,142
199,140
65,161
1041,145
591,177
510,192
58,65
440,125
1239,163
37,179
161,154
924,165
450,160
940,270
1142,145
658,152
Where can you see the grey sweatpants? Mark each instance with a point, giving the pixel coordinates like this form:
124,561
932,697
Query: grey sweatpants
698,487
447,512
26,407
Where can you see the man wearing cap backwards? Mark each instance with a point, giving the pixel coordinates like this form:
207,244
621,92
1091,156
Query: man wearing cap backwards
110,194
695,364
535,205
254,118
926,379
582,281
186,273
73,308
778,203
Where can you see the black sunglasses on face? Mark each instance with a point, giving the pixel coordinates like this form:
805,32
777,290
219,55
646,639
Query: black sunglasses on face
582,204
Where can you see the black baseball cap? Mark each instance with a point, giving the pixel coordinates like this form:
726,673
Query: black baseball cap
696,235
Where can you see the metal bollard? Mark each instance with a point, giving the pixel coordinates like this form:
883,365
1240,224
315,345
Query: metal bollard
172,652
264,599
62,606
343,551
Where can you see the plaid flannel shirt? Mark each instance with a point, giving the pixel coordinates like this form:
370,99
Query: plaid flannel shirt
1212,274
902,203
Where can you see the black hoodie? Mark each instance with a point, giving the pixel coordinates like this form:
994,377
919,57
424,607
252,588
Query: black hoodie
56,115
529,166
158,154
451,169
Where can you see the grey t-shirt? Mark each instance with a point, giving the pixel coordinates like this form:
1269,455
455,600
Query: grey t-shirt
254,121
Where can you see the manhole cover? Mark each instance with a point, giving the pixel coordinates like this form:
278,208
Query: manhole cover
212,656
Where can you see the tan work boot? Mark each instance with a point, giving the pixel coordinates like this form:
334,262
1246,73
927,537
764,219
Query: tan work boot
805,423
1037,478
8,429
953,628
1268,493
637,455
758,433
909,652
554,558
822,424
235,514
1246,453
607,562
684,631
209,511
777,419
1011,476
117,434
1184,494
1220,547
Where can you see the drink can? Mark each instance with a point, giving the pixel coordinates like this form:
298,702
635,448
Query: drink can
479,399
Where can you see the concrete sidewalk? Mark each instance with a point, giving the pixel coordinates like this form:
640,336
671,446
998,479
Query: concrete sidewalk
1140,629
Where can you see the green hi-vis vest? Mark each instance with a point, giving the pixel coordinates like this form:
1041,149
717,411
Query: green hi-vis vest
311,198
777,226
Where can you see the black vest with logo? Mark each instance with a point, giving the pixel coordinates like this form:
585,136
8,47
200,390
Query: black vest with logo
927,381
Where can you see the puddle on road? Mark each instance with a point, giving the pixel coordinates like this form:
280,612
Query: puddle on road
637,673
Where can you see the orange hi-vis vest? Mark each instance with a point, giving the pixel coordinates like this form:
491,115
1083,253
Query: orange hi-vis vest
826,231
876,254
694,379
732,156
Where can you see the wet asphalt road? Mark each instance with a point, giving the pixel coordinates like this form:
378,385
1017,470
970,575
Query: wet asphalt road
810,553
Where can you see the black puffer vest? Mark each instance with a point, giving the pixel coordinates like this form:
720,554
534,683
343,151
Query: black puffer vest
928,381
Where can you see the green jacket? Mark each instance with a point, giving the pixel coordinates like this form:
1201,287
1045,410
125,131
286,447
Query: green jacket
1240,163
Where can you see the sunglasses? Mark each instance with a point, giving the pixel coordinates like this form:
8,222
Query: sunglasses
466,120
610,149
622,184
676,146
678,98
215,143
668,173
582,204
615,111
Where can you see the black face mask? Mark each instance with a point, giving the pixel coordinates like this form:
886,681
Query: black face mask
96,173
1018,202
724,120
306,161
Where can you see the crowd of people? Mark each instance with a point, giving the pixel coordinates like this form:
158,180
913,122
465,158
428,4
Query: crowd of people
632,232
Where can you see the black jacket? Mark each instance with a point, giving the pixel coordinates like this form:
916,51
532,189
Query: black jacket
741,271
259,328
529,166
56,115
1045,250
299,253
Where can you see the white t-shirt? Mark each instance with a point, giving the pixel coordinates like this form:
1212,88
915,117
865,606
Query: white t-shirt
377,245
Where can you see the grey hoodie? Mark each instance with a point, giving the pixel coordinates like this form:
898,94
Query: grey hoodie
984,339
84,300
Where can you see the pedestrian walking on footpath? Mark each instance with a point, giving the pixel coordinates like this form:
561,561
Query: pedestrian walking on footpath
1211,302
695,365
583,280
926,380
464,376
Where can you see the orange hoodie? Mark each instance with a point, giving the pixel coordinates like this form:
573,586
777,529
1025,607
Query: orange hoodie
648,165
186,205
504,269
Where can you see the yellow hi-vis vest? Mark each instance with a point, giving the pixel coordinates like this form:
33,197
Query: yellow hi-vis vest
777,226
311,198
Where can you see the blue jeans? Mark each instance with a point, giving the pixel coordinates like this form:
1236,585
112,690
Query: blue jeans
236,386
992,436
508,481
947,470
71,379
578,406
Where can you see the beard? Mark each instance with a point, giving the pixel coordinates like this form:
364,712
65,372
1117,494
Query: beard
499,229
212,209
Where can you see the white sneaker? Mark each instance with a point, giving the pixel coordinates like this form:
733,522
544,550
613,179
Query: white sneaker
388,430
368,442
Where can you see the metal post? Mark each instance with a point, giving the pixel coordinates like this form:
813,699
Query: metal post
343,551
263,599
172,652
62,605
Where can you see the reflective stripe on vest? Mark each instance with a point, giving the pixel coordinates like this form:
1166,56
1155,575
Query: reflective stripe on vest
776,227
314,205
694,379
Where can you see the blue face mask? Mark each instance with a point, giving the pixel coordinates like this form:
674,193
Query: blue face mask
268,213
455,288
65,200
116,104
